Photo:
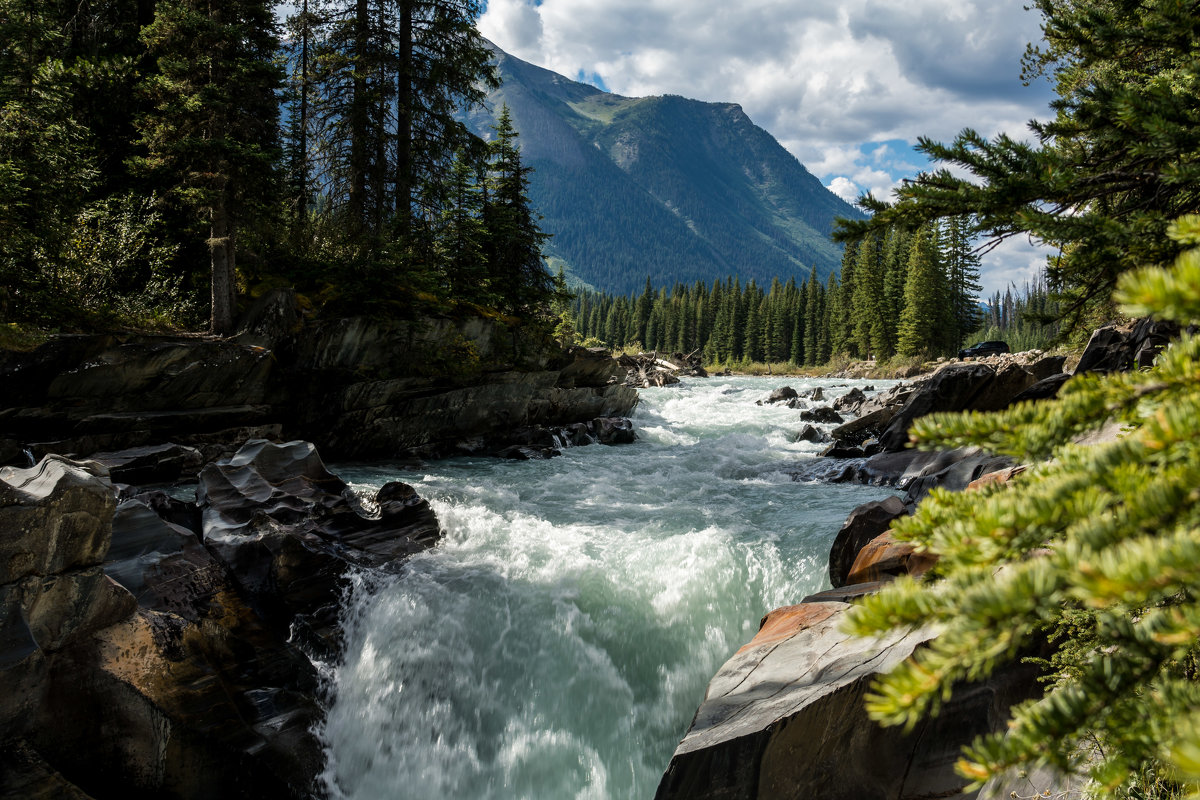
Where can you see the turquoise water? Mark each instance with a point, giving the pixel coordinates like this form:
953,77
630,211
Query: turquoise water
559,640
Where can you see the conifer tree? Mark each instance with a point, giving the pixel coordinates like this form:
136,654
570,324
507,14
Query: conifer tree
641,313
213,135
926,316
800,329
962,274
840,304
463,237
866,299
824,350
895,265
813,320
513,243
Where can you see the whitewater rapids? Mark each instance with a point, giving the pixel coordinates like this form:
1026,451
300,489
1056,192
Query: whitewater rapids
558,641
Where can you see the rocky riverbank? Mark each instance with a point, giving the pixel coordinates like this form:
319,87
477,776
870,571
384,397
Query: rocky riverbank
152,647
784,717
160,647
358,388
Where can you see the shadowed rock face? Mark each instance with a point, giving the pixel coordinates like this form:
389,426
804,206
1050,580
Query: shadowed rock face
288,530
105,698
784,718
358,387
143,658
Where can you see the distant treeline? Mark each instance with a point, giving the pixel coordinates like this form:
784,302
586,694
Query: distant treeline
906,293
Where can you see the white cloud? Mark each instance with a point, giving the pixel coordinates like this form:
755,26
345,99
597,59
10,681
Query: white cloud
844,188
1013,263
825,78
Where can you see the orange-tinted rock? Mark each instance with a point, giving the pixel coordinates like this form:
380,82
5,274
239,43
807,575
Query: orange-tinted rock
1003,476
863,525
783,623
885,557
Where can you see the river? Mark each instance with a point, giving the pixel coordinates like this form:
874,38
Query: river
558,641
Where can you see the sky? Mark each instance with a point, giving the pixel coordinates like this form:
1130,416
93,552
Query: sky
846,85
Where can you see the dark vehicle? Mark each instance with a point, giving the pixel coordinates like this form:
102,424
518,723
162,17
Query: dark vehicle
984,349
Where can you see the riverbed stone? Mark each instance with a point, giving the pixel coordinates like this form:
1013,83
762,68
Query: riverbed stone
614,430
851,402
865,523
784,719
823,415
288,529
782,394
810,434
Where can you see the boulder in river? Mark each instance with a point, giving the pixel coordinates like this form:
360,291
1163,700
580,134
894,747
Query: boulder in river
784,718
850,402
288,530
782,394
810,434
823,415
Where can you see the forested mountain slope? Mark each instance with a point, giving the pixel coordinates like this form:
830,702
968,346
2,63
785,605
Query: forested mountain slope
665,186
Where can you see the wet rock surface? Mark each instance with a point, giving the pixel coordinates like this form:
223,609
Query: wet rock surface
288,530
147,651
358,388
784,718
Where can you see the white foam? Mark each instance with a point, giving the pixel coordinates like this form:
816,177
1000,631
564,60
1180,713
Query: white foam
557,642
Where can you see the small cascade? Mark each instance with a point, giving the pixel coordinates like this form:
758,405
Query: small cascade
29,457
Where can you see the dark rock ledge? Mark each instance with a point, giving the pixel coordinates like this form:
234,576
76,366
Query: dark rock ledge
152,649
357,388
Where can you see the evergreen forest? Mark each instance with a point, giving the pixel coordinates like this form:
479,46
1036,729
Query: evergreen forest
161,162
907,293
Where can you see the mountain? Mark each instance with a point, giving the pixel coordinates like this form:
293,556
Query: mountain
677,189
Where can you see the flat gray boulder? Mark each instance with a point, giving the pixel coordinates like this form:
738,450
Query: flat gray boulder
784,719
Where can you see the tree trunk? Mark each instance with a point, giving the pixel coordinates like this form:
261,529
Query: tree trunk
404,118
222,273
302,199
359,116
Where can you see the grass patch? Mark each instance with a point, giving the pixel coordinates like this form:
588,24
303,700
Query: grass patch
23,338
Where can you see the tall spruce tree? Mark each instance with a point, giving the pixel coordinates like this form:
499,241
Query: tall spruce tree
926,314
840,304
962,275
213,134
513,243
866,298
813,319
